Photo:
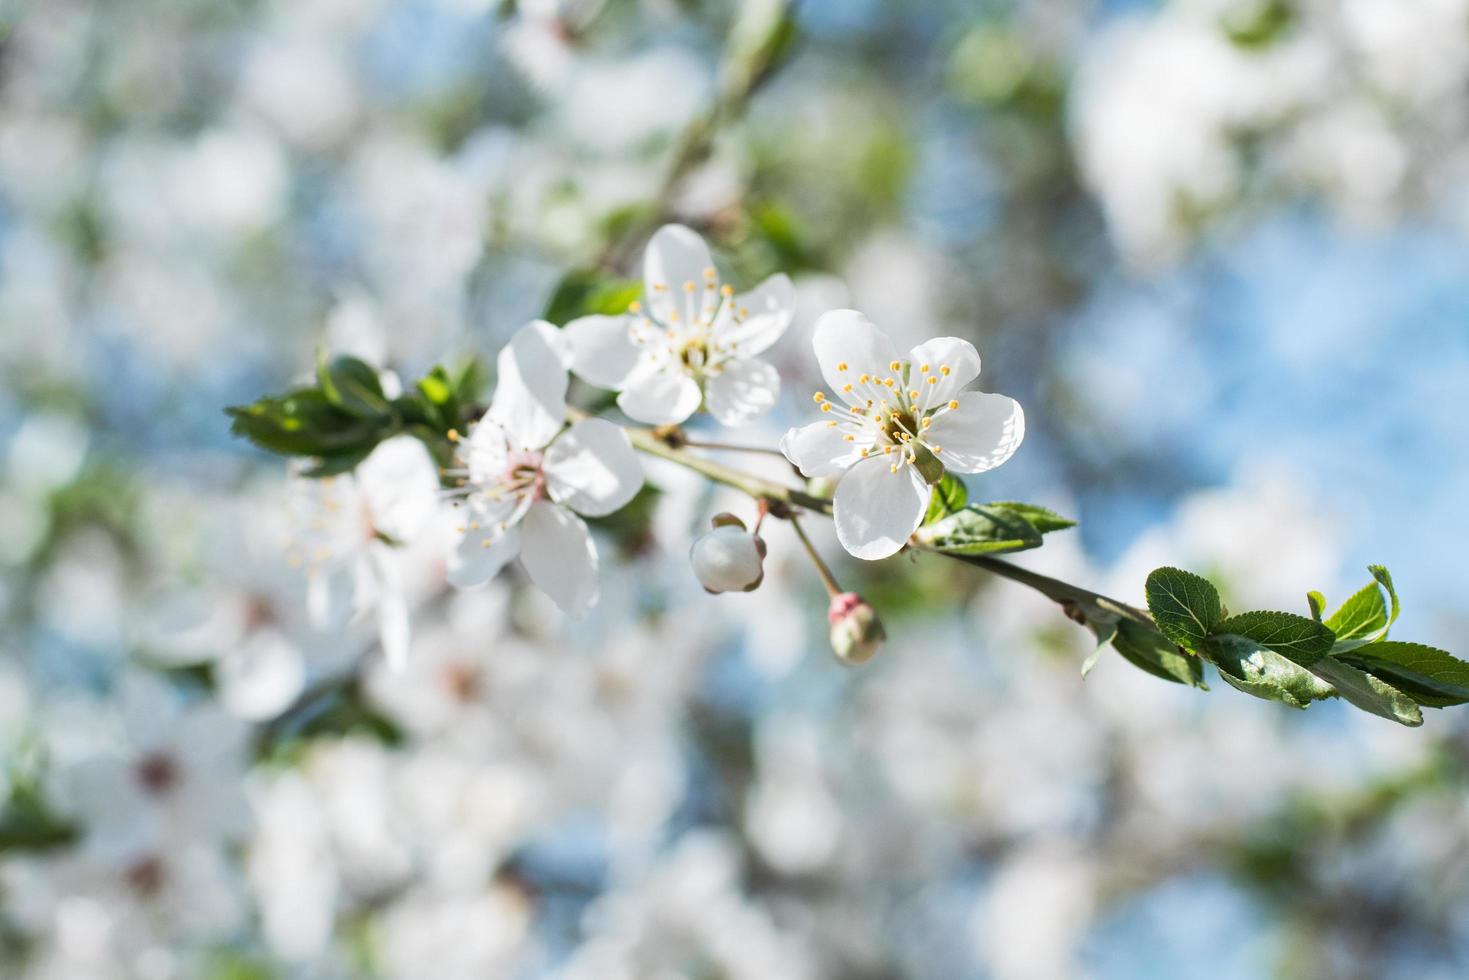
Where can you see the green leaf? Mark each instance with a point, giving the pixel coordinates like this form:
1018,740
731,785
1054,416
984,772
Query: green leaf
949,495
1360,616
305,423
1042,520
980,530
1380,573
584,292
1151,651
1185,606
1428,675
1296,638
353,386
1317,602
1368,693
1249,667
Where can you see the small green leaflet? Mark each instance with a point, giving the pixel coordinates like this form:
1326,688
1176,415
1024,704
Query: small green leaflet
1360,616
1380,573
352,386
584,292
1317,602
1428,675
1043,520
949,495
980,530
1251,668
1368,693
1301,640
1185,606
1150,651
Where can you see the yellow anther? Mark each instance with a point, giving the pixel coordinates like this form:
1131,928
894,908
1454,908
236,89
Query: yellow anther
711,273
849,438
689,286
453,435
954,405
847,388
923,369
893,468
841,365
866,452
927,422
818,398
635,307
932,380
832,424
944,370
744,311
659,287
863,378
825,406
726,290
887,450
485,542
889,382
895,366
936,449
474,525
913,393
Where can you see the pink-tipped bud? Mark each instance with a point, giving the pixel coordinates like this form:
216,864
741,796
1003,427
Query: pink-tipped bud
856,632
728,558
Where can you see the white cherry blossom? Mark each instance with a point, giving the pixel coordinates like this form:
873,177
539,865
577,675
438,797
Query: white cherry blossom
348,528
691,342
523,480
900,421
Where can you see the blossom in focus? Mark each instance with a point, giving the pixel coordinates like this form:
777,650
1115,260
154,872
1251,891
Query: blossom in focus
728,558
899,422
856,632
523,480
348,528
691,342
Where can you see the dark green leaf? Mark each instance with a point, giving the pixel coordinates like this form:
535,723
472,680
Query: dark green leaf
1296,638
1042,520
1185,606
1368,693
1151,651
980,530
949,495
305,423
352,386
1428,675
1251,668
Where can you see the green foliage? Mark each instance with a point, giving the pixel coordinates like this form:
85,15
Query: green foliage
1367,692
1254,669
1301,640
1149,650
584,292
1317,602
341,420
949,495
989,529
1185,606
28,823
1430,676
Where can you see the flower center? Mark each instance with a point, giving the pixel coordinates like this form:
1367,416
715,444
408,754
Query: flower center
689,335
891,412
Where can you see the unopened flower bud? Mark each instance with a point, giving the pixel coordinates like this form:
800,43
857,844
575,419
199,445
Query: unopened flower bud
728,558
856,632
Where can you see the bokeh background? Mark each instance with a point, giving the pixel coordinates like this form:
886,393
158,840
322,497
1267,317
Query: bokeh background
1218,248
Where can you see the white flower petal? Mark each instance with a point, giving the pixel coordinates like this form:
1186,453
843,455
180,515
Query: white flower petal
819,450
602,351
400,485
660,397
771,306
530,391
591,468
982,433
847,337
486,451
743,390
392,608
675,255
559,557
875,509
954,353
474,562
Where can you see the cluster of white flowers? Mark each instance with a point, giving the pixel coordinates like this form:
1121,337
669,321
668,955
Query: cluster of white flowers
523,476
